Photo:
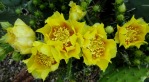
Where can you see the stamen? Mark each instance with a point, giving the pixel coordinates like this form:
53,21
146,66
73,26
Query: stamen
131,34
97,47
60,33
45,60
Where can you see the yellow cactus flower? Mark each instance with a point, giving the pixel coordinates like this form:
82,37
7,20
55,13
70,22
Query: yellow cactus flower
42,60
97,49
63,34
20,37
132,33
76,12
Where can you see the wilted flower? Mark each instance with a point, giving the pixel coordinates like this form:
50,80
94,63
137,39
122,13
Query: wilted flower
42,60
132,33
20,37
76,12
97,49
63,35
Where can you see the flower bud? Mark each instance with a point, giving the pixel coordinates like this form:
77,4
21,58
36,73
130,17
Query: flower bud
76,12
96,8
38,14
109,29
122,8
119,1
42,6
36,2
20,37
84,5
32,22
138,53
51,5
63,7
136,62
147,59
18,11
120,17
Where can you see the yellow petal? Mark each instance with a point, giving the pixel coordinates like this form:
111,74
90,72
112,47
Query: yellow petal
54,67
42,60
73,39
90,34
100,29
110,50
19,22
87,56
45,73
78,26
103,64
44,30
56,19
116,37
74,51
56,53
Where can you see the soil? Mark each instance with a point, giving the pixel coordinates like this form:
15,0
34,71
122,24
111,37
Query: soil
14,71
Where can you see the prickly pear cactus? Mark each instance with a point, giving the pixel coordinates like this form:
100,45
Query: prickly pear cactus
139,8
126,74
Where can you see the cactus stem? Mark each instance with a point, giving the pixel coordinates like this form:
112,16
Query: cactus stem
125,80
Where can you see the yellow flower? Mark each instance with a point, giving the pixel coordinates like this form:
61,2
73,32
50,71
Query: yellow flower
63,34
42,60
20,37
75,12
97,49
132,33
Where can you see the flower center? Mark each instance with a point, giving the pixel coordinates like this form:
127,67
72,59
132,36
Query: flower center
60,33
96,47
45,60
132,34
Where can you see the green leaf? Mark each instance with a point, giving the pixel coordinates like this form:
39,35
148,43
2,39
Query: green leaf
4,50
126,74
2,54
3,39
16,56
5,25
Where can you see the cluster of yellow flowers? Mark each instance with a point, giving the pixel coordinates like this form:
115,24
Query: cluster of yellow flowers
64,39
132,33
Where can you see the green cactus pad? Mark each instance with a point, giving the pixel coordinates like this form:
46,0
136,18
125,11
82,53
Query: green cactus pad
126,74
